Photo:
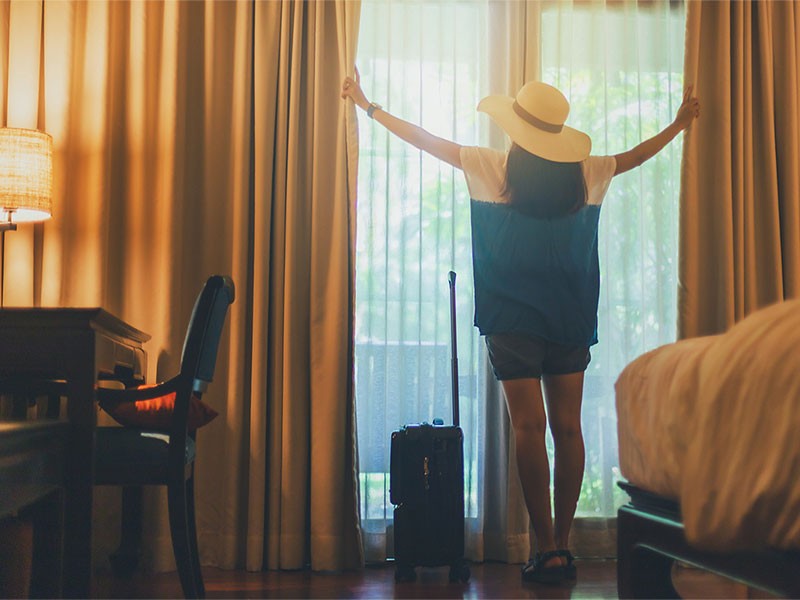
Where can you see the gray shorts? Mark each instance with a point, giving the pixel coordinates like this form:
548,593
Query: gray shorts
523,356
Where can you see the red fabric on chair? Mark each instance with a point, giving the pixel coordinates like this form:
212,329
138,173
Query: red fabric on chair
156,413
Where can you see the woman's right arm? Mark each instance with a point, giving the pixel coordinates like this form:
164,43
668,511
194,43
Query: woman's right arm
688,111
416,136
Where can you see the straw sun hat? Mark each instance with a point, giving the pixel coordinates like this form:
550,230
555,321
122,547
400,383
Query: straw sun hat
535,120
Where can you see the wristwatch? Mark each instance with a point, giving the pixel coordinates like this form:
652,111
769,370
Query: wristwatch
372,108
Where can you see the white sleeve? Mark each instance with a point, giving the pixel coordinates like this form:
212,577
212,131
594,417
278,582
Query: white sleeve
597,172
485,171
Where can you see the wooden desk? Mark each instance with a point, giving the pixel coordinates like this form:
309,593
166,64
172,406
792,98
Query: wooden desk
32,484
78,346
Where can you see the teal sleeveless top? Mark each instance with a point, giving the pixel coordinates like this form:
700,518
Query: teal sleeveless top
535,276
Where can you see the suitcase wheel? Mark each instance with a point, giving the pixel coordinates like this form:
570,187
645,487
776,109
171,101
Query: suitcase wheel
459,572
404,573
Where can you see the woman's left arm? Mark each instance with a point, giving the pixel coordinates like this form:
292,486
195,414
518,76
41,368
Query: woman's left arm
688,112
416,136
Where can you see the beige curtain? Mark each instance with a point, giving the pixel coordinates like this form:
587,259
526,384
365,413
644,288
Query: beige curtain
20,59
740,196
166,171
304,265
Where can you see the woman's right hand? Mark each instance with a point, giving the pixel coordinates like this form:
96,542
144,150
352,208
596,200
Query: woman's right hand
351,88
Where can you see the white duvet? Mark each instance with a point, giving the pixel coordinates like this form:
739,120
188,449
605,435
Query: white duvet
714,422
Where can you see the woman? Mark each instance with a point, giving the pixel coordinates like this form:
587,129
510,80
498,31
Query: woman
535,211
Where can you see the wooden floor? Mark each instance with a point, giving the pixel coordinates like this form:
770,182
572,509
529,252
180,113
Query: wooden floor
596,579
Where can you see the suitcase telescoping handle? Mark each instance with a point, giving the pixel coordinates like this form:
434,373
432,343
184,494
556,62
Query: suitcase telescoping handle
454,362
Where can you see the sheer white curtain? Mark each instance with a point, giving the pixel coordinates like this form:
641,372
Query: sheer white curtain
620,64
423,61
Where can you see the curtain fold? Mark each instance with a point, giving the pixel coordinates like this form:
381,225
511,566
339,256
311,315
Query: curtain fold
199,138
740,216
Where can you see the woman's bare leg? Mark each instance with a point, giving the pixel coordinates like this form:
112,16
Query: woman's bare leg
526,409
564,394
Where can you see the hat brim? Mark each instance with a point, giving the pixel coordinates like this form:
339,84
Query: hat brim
569,145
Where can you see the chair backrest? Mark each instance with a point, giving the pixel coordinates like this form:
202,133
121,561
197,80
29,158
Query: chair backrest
199,356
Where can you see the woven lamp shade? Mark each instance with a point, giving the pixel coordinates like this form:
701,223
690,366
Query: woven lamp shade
26,175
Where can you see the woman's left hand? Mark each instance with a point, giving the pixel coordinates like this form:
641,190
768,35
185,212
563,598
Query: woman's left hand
351,88
689,109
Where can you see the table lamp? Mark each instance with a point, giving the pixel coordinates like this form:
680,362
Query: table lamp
26,182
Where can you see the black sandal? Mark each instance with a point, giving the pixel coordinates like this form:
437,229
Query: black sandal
570,571
535,570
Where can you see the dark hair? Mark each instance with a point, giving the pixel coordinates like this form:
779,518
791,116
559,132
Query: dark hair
541,188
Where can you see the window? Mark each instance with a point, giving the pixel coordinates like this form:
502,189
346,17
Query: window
621,67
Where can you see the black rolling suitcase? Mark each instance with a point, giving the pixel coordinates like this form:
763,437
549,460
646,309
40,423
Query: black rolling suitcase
426,486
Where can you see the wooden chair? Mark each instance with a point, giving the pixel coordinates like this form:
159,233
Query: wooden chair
132,457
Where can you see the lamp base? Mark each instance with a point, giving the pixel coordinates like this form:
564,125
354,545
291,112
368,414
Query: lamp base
3,228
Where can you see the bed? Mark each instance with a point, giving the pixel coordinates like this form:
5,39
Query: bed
708,434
